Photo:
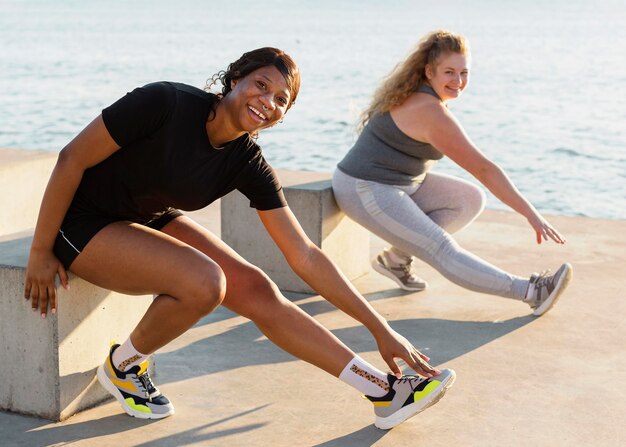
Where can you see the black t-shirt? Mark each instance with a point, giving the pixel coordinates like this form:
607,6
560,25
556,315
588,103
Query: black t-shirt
167,161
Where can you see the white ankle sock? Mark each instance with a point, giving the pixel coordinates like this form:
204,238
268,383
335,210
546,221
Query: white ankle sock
366,378
126,356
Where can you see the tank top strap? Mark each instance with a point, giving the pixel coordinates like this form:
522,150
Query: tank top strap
425,88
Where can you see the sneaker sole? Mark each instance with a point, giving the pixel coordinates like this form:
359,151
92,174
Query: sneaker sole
415,408
561,285
112,389
383,271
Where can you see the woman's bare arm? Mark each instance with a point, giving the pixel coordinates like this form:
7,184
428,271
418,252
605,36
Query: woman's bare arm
444,132
87,149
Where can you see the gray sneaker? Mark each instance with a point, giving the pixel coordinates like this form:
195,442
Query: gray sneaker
544,290
408,396
402,274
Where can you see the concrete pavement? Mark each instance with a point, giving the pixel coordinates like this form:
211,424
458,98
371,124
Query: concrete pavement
558,380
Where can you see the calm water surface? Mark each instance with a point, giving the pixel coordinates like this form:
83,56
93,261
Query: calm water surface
546,99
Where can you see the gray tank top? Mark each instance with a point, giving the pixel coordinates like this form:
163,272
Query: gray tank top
385,154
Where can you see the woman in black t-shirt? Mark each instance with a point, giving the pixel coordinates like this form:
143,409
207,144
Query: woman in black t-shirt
109,214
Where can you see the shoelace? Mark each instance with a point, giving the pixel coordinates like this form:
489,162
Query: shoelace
408,269
147,384
543,278
540,282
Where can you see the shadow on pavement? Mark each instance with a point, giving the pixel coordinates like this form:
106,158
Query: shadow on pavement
32,432
32,436
364,437
195,435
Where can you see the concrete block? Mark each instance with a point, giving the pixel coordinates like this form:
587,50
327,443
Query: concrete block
313,204
47,367
24,175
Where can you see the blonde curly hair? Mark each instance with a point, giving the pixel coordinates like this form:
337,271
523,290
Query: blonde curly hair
410,74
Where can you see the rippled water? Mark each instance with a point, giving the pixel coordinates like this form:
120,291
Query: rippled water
546,99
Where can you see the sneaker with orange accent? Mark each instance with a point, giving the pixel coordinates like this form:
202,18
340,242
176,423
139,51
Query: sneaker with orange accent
408,396
134,389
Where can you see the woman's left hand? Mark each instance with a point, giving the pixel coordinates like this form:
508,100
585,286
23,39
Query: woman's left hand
392,345
545,230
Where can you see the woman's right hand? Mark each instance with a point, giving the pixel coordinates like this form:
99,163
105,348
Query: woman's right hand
392,345
40,288
544,230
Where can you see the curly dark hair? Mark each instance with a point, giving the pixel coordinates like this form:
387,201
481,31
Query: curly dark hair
253,60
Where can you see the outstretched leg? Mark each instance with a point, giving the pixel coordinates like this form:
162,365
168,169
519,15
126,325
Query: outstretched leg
192,271
390,213
252,294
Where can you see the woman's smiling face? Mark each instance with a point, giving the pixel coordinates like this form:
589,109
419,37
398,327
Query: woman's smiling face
450,76
260,99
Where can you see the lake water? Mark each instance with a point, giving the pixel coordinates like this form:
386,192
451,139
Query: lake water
546,99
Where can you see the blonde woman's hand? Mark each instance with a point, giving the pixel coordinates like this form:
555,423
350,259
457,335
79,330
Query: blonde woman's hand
545,230
392,345
40,288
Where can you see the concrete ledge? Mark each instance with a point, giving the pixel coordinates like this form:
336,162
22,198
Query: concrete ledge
313,203
48,366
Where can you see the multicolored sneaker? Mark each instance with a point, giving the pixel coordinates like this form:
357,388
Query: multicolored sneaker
134,389
408,396
544,290
402,273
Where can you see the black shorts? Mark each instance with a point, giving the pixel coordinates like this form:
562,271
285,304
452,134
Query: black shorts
78,228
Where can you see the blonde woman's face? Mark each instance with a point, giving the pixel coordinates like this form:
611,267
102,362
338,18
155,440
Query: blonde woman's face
450,76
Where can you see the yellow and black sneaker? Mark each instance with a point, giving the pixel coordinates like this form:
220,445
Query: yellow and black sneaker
408,396
134,390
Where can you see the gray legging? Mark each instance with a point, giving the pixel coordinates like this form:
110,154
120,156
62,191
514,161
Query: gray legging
417,221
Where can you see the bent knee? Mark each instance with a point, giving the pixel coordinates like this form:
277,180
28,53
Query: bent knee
470,204
208,289
472,200
251,292
479,198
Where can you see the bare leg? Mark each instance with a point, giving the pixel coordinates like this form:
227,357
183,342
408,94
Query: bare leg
134,259
253,295
191,282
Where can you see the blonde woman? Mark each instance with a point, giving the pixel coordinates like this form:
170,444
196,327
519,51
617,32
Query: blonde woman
386,184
